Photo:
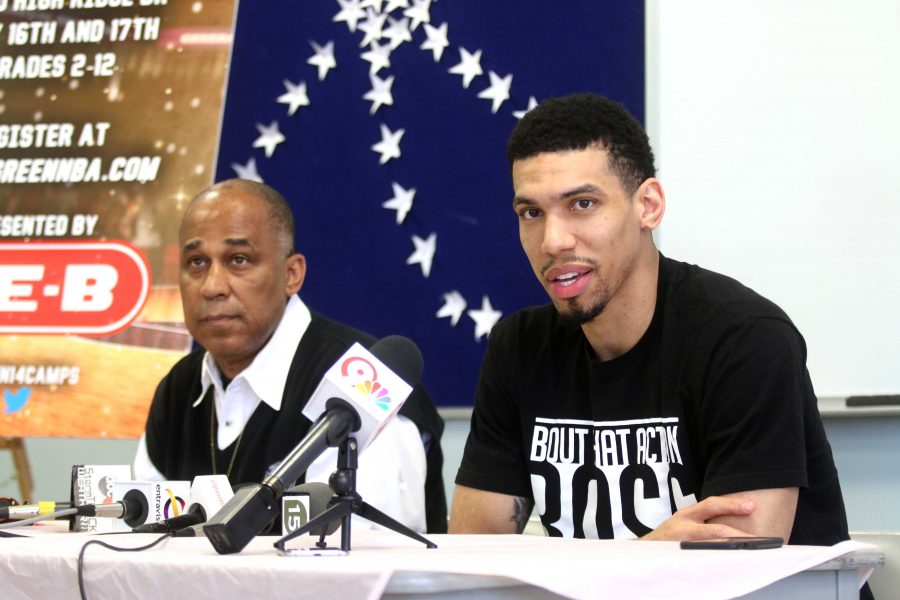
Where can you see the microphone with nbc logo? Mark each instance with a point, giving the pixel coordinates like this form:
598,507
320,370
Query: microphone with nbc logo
356,398
362,379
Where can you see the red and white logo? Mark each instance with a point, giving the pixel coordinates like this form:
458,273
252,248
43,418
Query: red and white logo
94,288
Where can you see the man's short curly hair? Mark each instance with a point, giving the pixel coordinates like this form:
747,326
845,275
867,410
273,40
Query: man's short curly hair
579,121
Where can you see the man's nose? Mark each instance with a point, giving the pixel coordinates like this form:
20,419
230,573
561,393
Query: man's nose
215,284
558,237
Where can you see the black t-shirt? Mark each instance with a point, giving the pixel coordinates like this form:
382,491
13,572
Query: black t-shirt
715,398
180,437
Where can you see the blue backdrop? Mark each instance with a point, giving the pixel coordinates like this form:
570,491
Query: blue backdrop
312,139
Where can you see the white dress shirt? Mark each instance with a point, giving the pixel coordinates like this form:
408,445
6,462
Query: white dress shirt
391,470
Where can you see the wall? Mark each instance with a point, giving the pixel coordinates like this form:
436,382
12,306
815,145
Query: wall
775,127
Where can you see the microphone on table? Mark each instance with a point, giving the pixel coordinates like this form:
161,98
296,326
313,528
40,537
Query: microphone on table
133,509
19,512
319,497
209,493
358,395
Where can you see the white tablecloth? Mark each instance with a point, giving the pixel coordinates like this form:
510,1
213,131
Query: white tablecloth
44,566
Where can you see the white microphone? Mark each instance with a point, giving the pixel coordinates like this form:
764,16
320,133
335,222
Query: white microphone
365,382
357,397
209,493
164,499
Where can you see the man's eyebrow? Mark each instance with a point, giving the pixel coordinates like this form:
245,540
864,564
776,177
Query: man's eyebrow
238,242
231,242
587,188
520,200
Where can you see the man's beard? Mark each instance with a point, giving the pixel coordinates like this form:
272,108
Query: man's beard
570,313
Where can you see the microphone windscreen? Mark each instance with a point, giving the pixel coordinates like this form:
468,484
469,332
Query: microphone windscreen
136,509
400,355
320,494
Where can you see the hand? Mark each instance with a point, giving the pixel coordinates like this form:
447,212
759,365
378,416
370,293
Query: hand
690,523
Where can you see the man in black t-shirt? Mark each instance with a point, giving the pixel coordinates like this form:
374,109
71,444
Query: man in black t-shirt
654,399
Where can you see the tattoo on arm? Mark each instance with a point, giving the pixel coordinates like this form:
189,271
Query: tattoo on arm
521,511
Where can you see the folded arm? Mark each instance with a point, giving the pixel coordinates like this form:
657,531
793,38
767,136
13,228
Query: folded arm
768,512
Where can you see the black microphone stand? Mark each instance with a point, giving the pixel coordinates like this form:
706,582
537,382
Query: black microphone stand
348,502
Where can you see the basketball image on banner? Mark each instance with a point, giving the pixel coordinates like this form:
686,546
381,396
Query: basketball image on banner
109,118
384,124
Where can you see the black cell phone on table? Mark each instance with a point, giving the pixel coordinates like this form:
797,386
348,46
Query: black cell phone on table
734,543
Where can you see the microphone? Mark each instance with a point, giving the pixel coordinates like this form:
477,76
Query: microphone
132,508
209,493
320,495
358,395
27,511
194,516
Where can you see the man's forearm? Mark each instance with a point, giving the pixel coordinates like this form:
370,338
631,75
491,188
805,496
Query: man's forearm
478,511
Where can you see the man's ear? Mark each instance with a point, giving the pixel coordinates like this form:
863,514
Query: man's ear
650,204
295,270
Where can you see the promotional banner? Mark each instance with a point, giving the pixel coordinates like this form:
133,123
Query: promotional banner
109,120
384,123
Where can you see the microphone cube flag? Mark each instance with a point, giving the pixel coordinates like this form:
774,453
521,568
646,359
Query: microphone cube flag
211,492
366,384
93,484
294,511
165,499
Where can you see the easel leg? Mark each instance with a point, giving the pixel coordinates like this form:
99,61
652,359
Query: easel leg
20,461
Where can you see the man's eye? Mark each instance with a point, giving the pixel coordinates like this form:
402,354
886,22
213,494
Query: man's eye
529,213
240,260
583,204
195,261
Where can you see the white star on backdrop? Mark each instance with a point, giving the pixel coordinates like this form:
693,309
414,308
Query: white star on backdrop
437,40
373,27
389,146
378,57
351,12
401,202
394,4
423,255
419,12
247,171
383,34
469,66
294,97
269,137
323,58
380,94
376,4
397,32
485,318
454,306
498,92
532,102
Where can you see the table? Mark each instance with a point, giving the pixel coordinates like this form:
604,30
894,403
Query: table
383,564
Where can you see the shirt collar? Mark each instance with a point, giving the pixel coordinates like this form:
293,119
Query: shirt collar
268,372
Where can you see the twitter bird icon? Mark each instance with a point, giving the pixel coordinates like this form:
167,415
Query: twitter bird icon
16,400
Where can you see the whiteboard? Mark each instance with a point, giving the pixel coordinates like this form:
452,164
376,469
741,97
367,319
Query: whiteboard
776,127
